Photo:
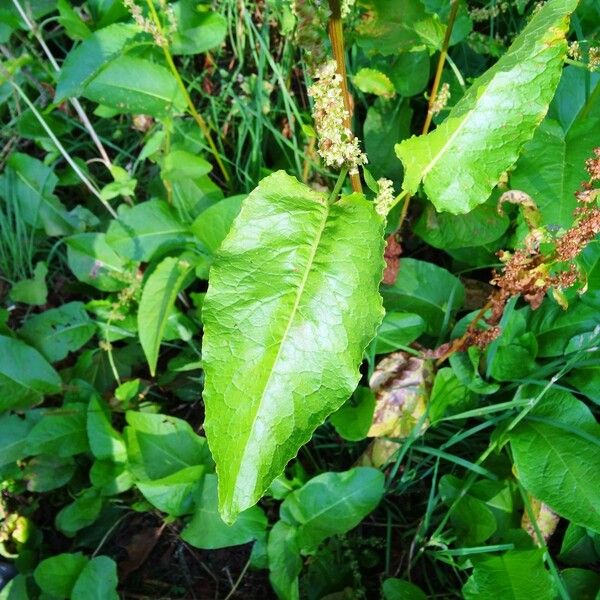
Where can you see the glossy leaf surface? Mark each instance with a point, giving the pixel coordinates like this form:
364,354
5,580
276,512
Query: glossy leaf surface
292,303
462,160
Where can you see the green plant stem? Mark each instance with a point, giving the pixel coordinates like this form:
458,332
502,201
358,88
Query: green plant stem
191,108
338,186
336,36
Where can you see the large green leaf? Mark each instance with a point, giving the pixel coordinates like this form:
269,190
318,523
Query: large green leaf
58,331
57,575
94,262
152,90
158,298
197,31
552,165
515,575
160,445
393,27
463,159
332,503
208,531
144,229
19,386
425,289
97,581
556,450
292,303
84,62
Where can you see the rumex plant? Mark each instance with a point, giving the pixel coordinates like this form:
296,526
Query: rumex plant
312,281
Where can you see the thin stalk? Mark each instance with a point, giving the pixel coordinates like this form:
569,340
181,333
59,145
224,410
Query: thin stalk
434,89
338,186
32,26
336,36
440,66
191,108
91,187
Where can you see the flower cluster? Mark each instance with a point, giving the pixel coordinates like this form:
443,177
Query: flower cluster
441,99
346,7
593,55
385,196
337,145
149,26
486,13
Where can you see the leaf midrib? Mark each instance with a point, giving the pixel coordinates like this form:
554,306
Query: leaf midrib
299,294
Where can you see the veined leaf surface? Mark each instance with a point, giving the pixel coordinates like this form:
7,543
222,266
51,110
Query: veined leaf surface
462,160
292,303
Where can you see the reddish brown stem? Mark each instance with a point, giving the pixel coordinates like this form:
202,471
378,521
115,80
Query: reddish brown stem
336,36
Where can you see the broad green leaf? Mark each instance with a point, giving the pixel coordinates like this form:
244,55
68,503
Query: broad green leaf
153,90
157,302
285,562
72,22
393,27
291,305
61,431
552,165
16,589
20,387
173,494
556,450
462,160
471,519
48,472
425,289
573,93
32,291
332,503
85,61
556,328
58,331
409,72
105,442
208,531
213,224
13,433
353,420
181,164
580,546
197,31
144,229
398,589
57,575
515,575
94,262
110,478
160,445
482,225
80,513
372,81
97,581
387,122
581,583
397,329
